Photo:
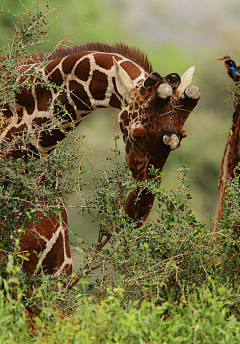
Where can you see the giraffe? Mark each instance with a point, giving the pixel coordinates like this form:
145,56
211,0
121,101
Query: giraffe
82,79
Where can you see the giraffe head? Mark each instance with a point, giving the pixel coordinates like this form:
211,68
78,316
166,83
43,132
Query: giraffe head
151,120
153,116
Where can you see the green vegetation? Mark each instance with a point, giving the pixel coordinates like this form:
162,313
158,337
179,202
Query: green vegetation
170,281
205,316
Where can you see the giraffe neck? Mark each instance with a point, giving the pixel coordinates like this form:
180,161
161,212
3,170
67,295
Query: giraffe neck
80,83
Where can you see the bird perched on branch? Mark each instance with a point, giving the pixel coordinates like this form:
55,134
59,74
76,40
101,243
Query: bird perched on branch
233,70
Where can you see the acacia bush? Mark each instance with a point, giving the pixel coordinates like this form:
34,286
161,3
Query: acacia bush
171,253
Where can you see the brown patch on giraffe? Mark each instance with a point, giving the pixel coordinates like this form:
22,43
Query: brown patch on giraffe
70,61
51,137
79,96
51,65
98,85
38,121
44,222
22,69
134,115
15,131
104,60
131,69
117,57
56,77
124,115
7,112
27,242
44,98
83,69
26,99
66,111
114,101
68,268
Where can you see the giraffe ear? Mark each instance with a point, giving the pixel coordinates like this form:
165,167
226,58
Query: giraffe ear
123,81
186,80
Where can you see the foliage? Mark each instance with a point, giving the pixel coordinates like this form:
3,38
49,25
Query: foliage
204,316
173,252
30,30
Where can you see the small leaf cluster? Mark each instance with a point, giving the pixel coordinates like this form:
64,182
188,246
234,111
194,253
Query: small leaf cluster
30,30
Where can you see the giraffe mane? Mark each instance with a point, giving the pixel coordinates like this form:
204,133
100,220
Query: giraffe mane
131,53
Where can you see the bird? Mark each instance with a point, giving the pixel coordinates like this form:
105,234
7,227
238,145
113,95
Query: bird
233,70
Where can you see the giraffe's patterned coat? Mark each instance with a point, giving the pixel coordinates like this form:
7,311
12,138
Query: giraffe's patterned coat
68,85
83,83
